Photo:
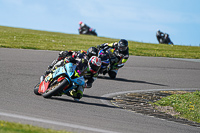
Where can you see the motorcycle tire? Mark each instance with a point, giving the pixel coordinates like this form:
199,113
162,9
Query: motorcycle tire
36,89
112,74
56,89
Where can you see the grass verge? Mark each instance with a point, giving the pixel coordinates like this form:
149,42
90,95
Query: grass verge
11,127
43,40
188,105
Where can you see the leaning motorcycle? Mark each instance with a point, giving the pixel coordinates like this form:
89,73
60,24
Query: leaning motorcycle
86,31
111,60
63,80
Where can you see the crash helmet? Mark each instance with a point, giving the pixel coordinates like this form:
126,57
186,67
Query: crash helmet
62,55
122,45
94,64
80,22
92,51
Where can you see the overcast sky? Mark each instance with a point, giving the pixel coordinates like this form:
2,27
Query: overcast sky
136,20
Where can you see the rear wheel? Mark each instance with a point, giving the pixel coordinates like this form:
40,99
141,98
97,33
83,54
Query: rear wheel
55,89
112,74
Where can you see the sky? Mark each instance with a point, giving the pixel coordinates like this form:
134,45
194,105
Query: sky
134,20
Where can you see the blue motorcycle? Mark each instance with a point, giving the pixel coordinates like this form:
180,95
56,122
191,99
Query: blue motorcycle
62,80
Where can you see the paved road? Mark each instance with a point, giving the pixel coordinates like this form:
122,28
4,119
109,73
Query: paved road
21,69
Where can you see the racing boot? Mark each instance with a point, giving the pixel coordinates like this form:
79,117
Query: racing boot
78,93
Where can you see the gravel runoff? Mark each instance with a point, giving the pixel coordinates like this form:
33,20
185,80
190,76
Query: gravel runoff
139,102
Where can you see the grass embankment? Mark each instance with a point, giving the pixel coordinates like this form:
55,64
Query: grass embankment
43,40
11,127
188,105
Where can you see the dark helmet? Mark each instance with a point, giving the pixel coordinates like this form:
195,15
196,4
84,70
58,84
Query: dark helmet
63,53
122,45
92,51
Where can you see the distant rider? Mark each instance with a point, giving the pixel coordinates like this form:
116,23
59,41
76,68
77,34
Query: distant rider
83,29
163,38
120,51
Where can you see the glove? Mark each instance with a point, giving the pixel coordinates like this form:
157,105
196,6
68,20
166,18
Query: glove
102,45
115,43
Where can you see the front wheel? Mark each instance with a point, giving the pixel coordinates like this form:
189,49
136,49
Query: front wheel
55,89
36,89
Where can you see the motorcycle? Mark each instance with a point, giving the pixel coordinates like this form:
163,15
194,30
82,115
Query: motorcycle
89,31
61,81
105,56
109,61
163,38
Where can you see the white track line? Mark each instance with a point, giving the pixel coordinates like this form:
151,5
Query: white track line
55,123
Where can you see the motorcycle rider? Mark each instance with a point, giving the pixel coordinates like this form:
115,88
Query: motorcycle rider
163,38
83,27
91,76
84,67
120,52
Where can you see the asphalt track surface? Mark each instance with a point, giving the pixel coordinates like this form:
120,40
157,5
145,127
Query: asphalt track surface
21,69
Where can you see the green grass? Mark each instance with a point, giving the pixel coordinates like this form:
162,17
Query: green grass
187,104
43,40
11,127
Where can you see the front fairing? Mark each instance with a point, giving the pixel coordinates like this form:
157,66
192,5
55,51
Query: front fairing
59,71
80,80
70,68
67,69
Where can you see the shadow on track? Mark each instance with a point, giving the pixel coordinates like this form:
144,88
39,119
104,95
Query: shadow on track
86,103
133,81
